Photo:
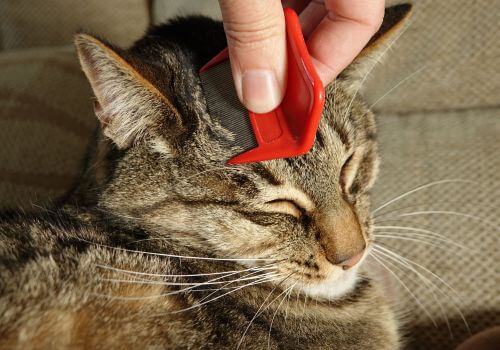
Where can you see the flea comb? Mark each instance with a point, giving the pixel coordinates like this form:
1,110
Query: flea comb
287,131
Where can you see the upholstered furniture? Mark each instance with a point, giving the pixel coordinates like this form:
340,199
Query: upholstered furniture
436,93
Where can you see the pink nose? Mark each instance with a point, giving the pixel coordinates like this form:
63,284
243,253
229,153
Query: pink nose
351,262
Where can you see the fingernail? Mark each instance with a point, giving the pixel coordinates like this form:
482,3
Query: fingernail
260,90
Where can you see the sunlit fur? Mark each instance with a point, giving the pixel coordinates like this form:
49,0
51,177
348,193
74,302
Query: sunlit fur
157,182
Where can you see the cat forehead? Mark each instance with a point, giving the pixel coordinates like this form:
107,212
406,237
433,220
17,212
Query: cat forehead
336,134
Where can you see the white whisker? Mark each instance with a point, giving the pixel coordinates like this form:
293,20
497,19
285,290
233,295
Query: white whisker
287,292
403,195
260,308
406,262
420,238
396,86
163,283
449,212
173,255
412,240
420,266
263,280
172,292
432,233
397,210
225,286
228,273
426,282
404,286
377,60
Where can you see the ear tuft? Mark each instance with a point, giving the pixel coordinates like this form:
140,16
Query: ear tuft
396,18
127,103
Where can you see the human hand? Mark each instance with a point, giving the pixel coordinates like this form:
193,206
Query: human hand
335,30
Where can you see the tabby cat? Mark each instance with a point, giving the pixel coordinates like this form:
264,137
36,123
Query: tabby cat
164,246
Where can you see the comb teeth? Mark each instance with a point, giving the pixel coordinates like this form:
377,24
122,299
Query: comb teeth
224,105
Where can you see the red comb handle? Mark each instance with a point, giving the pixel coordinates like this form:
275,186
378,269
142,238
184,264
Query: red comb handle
290,129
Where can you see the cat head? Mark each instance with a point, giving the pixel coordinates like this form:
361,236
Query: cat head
161,163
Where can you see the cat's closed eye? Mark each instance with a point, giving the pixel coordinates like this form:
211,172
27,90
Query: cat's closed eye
285,206
349,170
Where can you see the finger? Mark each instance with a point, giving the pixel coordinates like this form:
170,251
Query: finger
342,34
255,31
311,16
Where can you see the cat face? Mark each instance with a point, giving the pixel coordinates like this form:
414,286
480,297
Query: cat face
309,214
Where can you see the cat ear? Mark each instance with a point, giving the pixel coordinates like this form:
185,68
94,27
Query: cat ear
395,21
127,102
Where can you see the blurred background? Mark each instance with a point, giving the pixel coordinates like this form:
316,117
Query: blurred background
437,98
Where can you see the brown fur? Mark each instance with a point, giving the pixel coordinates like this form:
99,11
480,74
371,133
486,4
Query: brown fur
109,268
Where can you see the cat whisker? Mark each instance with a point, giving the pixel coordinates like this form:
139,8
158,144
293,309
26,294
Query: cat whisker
173,255
420,188
421,238
225,285
432,233
211,280
419,303
431,288
163,283
287,291
381,215
226,273
260,281
376,61
263,277
411,262
261,308
407,262
449,212
288,302
409,76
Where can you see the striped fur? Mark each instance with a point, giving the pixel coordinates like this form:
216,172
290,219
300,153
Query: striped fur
77,276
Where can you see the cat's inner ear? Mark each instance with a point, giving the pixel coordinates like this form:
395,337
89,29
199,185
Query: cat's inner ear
127,103
395,20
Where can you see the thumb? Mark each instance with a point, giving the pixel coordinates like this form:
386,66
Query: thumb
255,31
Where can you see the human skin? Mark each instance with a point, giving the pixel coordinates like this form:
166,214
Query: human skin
335,30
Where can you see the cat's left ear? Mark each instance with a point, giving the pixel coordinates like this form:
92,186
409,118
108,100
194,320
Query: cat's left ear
396,19
127,101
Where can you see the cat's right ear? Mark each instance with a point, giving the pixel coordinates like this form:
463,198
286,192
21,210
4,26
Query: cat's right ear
127,102
396,20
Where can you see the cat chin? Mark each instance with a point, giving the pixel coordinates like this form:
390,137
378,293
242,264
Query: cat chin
334,287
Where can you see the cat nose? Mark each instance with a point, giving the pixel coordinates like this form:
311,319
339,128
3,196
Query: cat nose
348,259
341,236
348,262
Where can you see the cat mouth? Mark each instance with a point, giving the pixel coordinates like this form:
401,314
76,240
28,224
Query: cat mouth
329,283
330,287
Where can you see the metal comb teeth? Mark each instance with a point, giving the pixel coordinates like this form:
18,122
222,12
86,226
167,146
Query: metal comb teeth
224,105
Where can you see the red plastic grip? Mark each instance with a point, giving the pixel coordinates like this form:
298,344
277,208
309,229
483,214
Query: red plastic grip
290,129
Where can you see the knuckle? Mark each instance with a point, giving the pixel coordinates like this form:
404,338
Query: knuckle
253,33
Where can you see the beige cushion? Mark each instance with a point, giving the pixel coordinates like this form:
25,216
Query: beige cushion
421,148
453,43
46,120
164,9
26,23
